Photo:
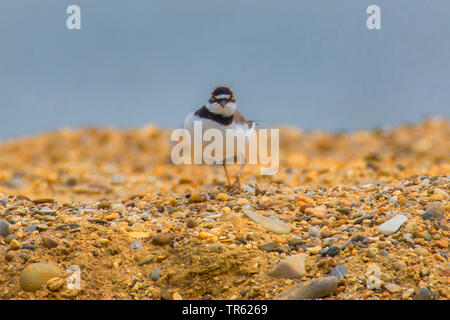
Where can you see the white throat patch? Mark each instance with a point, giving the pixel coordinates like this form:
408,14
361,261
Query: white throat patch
226,111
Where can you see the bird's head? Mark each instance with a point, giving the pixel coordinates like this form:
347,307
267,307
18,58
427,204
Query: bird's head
222,101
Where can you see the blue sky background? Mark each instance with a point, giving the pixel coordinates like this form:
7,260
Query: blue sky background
313,64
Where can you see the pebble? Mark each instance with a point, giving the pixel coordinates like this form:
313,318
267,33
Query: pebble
434,210
195,197
361,219
136,245
392,287
54,284
232,217
49,243
312,289
138,235
11,237
441,244
314,231
292,267
42,227
328,241
30,228
423,293
104,205
28,247
163,239
165,294
46,210
271,223
270,247
424,271
248,189
333,250
393,200
112,216
399,265
147,259
98,220
372,252
441,192
339,271
407,293
13,245
314,250
4,228
421,251
10,255
177,296
36,275
120,208
207,235
317,212
191,223
156,274
392,225
25,256
222,197
43,200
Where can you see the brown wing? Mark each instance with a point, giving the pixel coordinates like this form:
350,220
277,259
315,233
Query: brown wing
239,119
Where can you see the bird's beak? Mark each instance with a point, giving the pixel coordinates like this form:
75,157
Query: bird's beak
223,102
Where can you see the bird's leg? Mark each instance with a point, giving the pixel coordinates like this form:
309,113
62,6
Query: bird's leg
226,173
238,176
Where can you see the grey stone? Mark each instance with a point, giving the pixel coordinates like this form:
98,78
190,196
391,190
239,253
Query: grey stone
339,271
312,289
313,232
28,247
361,219
46,210
332,251
11,237
4,228
136,245
392,225
423,293
270,247
271,223
328,241
30,228
435,210
292,267
156,274
248,189
392,287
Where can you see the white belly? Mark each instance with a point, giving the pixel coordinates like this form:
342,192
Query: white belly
238,133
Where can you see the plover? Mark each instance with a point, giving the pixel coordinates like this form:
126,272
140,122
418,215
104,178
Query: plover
220,113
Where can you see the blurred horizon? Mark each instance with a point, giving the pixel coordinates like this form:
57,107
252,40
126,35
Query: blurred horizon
311,65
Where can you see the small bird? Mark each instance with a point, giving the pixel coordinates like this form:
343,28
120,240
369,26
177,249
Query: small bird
220,113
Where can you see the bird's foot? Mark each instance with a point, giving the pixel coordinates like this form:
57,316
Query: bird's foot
235,187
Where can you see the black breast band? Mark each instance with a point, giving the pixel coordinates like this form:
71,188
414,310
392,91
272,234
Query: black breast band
206,114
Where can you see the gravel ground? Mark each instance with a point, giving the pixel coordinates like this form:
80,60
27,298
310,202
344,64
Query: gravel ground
359,215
